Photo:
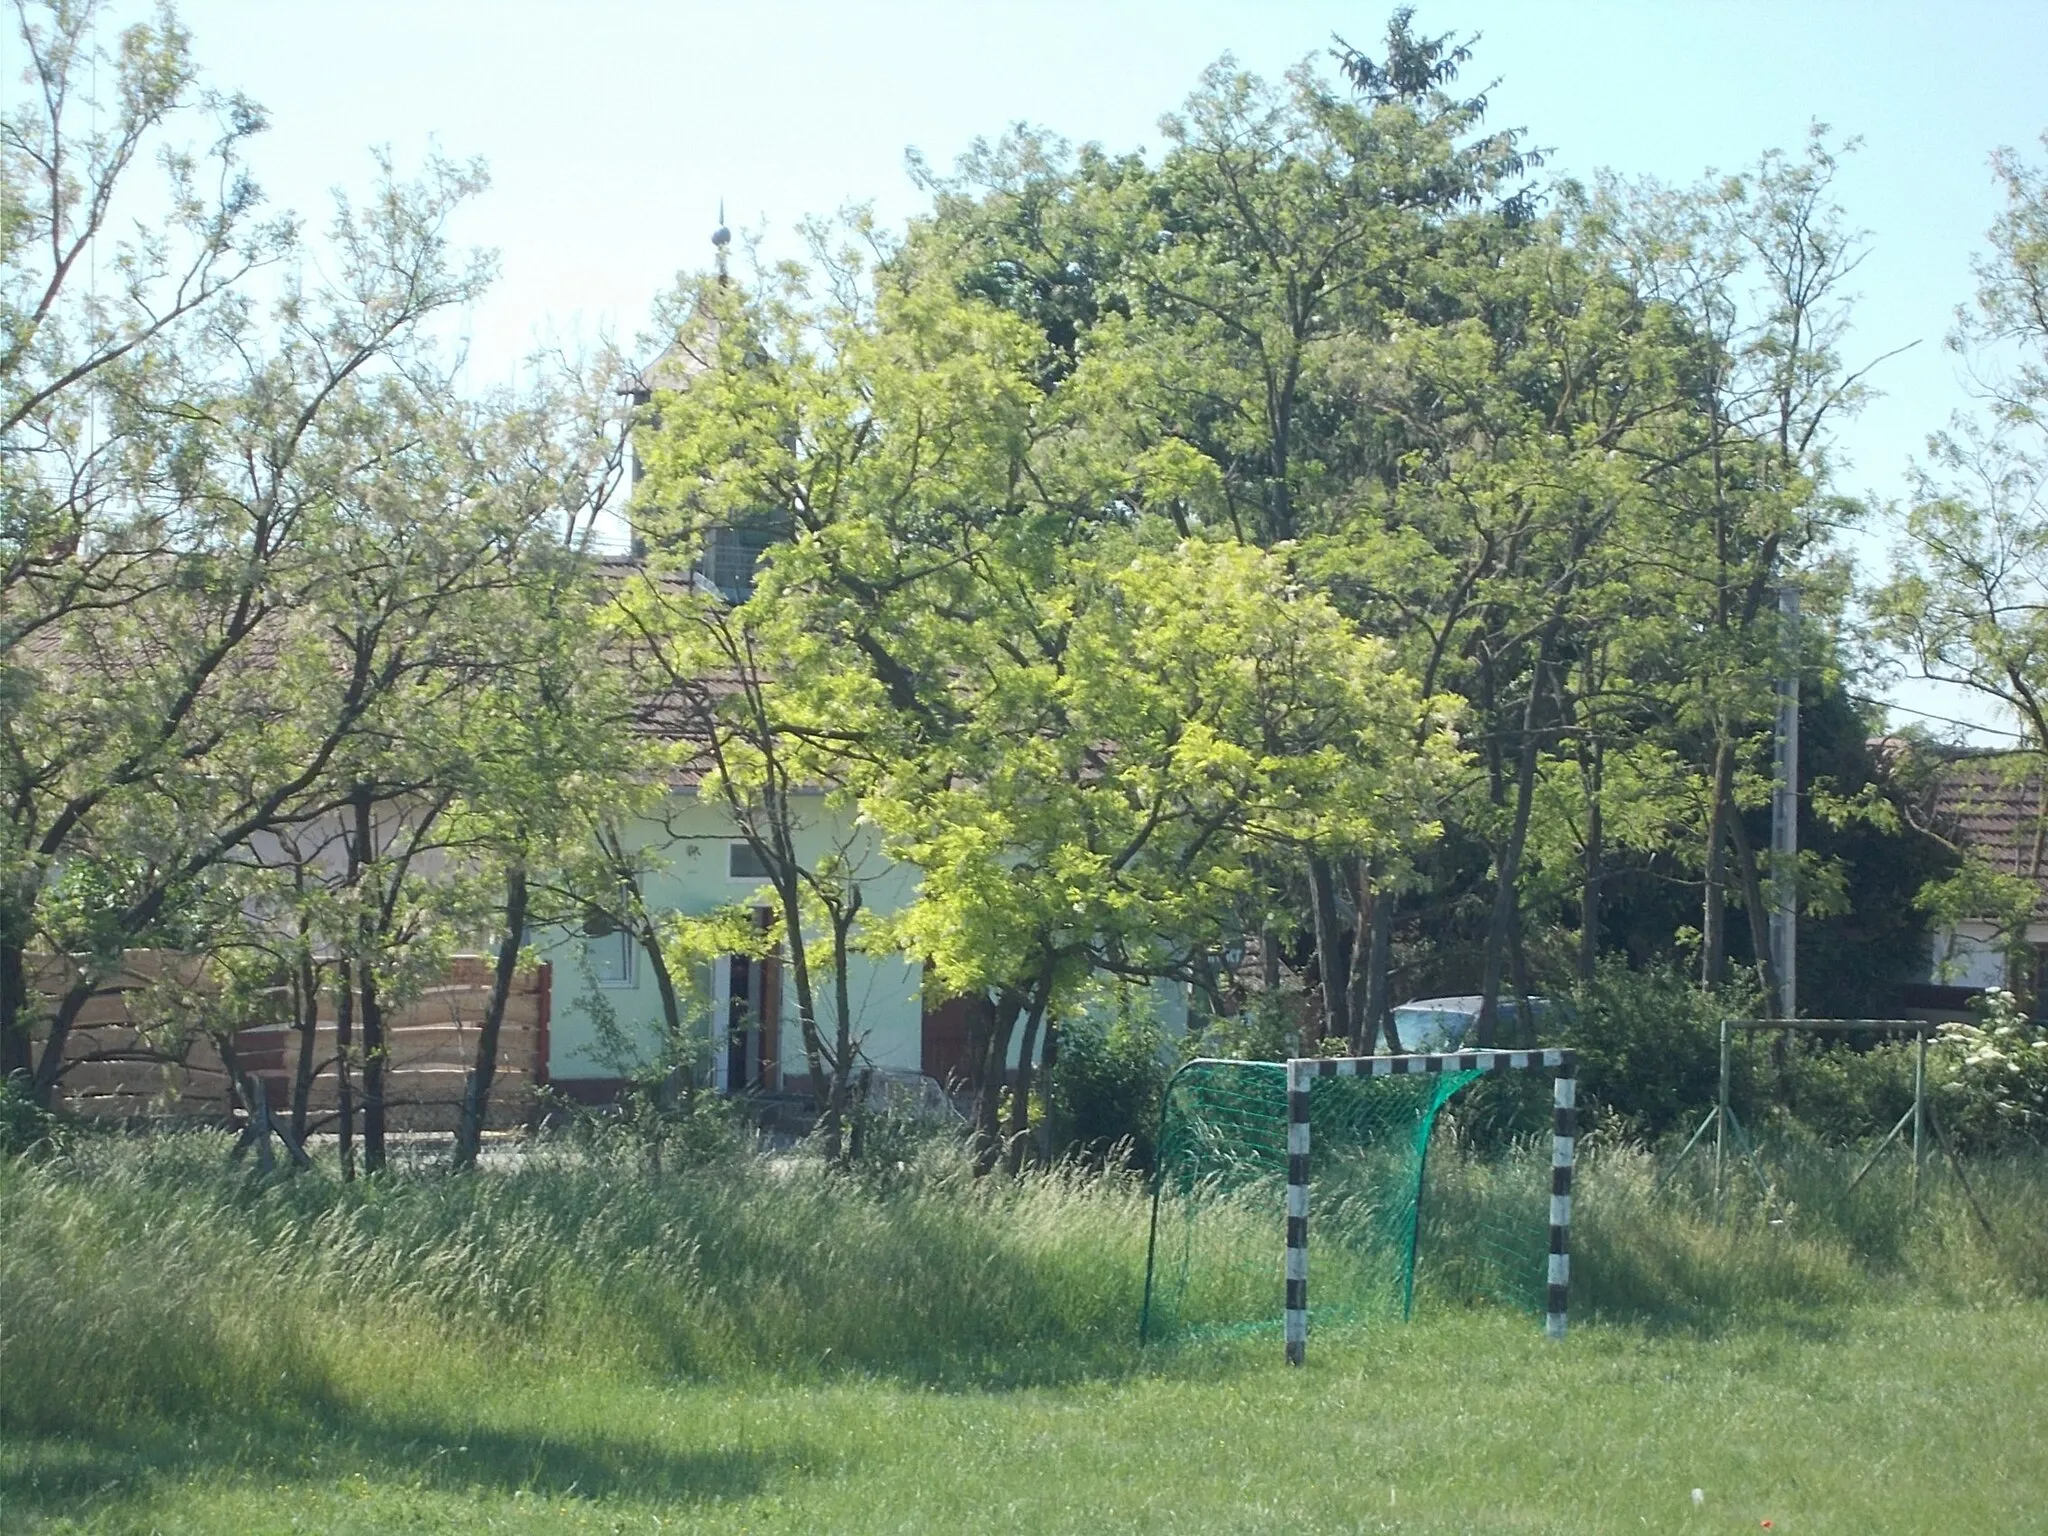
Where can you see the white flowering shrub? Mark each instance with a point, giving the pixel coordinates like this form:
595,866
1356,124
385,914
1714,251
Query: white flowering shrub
1995,1073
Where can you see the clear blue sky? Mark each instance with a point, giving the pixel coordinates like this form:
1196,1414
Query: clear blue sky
613,127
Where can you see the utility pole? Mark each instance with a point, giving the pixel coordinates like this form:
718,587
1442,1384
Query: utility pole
1785,811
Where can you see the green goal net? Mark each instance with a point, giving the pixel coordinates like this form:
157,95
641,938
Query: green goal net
1410,1191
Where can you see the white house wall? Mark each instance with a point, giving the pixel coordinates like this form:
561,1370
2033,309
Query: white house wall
1973,955
687,859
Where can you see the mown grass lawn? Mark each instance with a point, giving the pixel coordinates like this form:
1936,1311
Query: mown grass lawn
1880,1419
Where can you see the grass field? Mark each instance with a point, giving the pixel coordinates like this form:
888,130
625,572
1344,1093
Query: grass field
587,1347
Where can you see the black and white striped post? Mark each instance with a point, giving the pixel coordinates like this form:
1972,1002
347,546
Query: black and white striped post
1301,1075
1563,1153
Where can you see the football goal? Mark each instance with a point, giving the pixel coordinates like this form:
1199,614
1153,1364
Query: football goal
1399,1177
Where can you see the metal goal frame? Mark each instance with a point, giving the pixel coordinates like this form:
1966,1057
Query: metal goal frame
1302,1072
1912,1130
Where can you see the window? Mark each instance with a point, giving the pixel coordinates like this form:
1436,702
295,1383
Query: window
1969,960
607,949
743,863
730,555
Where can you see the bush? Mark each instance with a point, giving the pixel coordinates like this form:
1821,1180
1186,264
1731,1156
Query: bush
651,1124
1649,1047
26,1129
898,1123
1649,1064
1994,1088
1267,1029
1108,1083
1839,1090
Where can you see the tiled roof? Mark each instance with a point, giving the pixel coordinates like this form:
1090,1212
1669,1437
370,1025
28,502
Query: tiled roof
1993,805
674,712
669,712
693,352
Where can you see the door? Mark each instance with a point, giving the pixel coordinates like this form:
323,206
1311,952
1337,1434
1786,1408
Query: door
942,1042
746,1007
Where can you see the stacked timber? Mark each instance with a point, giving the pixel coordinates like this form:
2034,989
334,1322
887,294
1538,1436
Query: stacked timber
430,1045
135,1051
140,1049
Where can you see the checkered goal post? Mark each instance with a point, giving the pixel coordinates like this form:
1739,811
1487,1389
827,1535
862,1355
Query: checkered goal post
1350,1140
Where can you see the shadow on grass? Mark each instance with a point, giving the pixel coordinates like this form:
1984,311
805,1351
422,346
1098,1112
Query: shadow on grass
1670,1291
78,1475
1708,1323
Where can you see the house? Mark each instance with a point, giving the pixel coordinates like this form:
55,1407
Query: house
695,861
608,1010
1994,807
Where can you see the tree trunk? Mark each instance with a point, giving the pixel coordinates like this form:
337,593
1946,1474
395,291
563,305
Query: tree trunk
1758,913
1361,1022
1714,902
1379,1005
306,987
476,1095
1494,961
790,898
366,994
373,1068
1019,1128
979,1017
16,1053
1020,1095
1508,866
1525,989
239,1092
43,1086
344,1074
1048,1062
1590,770
1331,970
681,1083
990,1064
840,1100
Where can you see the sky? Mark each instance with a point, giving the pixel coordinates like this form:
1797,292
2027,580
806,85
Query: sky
615,128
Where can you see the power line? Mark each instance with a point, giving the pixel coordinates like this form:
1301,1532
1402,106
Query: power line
1923,714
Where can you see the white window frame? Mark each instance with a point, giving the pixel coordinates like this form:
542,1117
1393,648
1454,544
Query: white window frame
629,966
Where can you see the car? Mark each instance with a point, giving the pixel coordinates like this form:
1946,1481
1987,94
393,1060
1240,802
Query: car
1438,1025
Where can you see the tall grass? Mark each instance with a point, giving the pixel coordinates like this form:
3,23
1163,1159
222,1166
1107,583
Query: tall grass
146,1277
1789,1239
145,1281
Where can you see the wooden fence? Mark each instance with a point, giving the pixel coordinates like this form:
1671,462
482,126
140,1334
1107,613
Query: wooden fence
138,1052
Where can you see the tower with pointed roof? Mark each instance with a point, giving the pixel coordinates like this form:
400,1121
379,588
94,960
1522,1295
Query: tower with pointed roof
731,551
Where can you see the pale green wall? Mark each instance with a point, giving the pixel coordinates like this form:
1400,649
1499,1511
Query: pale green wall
688,847
689,862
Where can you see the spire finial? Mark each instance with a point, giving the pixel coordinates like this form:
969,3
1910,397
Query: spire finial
721,237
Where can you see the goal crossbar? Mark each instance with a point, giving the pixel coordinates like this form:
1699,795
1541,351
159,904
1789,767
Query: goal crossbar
1302,1072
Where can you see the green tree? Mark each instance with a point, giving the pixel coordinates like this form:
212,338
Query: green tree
272,581
1966,595
94,327
1232,301
1965,600
1755,266
1078,726
874,428
160,734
